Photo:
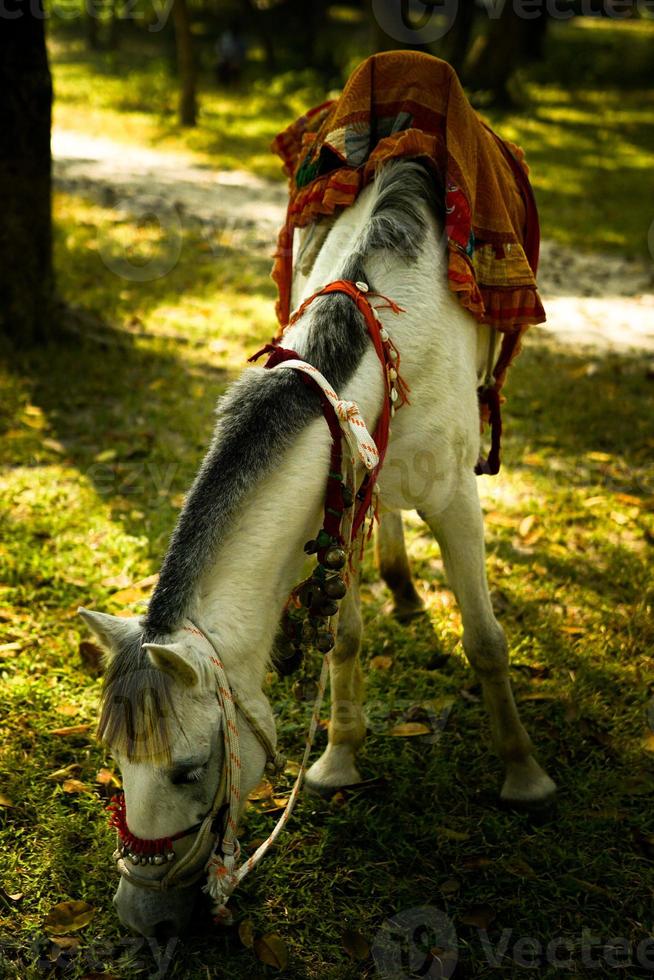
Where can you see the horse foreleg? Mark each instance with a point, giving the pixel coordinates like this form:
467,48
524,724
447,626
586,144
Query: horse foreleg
459,531
347,728
394,567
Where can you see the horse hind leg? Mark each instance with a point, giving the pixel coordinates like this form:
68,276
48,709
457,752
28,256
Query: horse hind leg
347,727
394,567
459,531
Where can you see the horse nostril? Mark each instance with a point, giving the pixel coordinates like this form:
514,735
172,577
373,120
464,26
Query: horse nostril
167,929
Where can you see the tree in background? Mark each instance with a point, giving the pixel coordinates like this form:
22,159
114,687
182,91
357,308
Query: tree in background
26,277
508,42
185,64
485,45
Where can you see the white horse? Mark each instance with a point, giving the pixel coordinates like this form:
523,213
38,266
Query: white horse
237,550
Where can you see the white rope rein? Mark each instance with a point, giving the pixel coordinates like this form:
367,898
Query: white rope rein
223,876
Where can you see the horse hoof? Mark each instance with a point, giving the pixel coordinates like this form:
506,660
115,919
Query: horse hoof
332,771
405,614
405,610
528,787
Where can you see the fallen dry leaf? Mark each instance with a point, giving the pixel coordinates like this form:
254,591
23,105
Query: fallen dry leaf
381,662
68,772
499,519
533,459
355,945
6,802
9,897
409,729
108,780
450,887
271,950
67,709
246,933
526,524
68,943
70,730
54,445
7,648
475,863
263,791
597,457
629,499
516,866
291,768
68,917
479,916
74,786
573,630
648,742
448,834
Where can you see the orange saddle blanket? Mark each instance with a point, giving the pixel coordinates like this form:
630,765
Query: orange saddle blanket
412,105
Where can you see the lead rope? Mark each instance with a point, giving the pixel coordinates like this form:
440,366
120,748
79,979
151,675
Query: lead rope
223,877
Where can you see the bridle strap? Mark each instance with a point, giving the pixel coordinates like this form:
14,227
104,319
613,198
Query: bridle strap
190,868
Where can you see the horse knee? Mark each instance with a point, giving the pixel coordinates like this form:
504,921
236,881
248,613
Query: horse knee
487,650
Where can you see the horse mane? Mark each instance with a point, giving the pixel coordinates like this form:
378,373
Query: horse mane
264,412
137,715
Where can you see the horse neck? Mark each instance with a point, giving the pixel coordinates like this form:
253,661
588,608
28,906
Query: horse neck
240,598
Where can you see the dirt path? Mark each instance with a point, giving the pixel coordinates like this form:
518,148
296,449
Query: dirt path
599,301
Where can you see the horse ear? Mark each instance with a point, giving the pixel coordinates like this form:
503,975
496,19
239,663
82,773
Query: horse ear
170,658
110,630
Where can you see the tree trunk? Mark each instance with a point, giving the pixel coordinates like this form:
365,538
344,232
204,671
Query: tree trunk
509,41
457,40
26,277
185,64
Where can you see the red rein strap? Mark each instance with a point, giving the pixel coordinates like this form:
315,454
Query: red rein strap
389,359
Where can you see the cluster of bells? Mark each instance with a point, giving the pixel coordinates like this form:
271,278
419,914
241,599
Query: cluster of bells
321,593
124,852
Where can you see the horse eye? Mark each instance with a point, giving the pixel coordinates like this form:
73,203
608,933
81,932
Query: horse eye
187,776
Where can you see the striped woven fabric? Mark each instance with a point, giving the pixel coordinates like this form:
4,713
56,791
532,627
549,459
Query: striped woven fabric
405,104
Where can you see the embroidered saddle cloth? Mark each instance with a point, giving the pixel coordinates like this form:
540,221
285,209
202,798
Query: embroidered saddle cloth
406,104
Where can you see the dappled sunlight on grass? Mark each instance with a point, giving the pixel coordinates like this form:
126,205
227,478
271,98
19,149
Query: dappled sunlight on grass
215,296
588,133
101,436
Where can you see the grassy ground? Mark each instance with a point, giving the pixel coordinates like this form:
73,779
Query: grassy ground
99,441
586,121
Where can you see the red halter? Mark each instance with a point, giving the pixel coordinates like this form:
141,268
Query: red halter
389,359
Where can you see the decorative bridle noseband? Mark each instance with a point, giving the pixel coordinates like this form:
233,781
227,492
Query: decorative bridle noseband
312,606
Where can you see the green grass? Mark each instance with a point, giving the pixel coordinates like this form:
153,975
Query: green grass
100,440
586,120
